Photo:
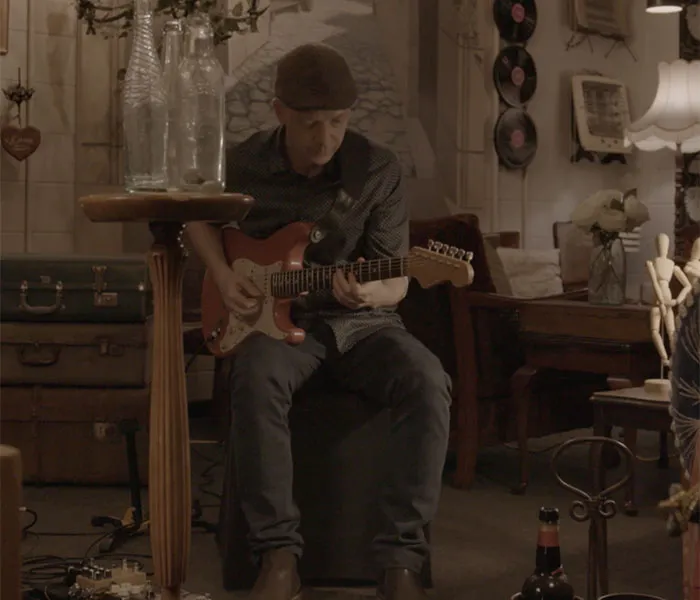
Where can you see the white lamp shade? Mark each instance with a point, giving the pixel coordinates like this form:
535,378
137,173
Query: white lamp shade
673,120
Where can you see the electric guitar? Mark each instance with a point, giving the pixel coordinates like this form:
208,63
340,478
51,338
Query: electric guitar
275,266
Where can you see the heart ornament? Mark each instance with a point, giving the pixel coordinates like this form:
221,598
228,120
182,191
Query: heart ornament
20,142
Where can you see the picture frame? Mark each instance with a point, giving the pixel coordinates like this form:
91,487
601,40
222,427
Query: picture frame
4,26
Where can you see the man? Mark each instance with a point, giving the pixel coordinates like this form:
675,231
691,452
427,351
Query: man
296,173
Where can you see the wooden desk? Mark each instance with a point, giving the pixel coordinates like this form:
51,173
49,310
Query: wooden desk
570,335
631,408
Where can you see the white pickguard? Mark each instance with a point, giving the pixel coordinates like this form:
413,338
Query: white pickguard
264,320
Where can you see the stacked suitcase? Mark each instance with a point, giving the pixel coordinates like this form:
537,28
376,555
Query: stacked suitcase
74,364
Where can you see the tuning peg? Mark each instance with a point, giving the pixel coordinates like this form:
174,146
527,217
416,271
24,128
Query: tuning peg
460,254
431,244
437,246
469,256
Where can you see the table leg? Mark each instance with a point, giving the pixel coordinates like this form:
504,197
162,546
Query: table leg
169,491
630,440
521,383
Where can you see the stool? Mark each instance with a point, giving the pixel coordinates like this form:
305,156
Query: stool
339,444
631,409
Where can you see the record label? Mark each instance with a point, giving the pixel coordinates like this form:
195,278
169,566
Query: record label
515,138
517,13
515,76
515,19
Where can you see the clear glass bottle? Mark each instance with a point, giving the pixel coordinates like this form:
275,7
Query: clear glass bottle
172,56
144,108
202,93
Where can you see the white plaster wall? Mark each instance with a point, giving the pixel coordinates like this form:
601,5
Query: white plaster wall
554,185
464,147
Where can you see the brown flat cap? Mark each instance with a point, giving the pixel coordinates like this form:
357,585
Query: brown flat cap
315,77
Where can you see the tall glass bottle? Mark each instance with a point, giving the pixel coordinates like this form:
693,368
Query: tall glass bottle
202,93
548,582
145,108
172,56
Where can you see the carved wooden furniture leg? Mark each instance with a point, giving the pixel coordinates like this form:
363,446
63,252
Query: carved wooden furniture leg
10,539
466,394
630,440
663,450
169,490
612,458
521,388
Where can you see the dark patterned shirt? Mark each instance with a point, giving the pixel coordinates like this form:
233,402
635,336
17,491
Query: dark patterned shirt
374,226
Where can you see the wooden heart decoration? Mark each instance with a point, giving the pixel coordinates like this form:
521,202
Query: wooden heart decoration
20,142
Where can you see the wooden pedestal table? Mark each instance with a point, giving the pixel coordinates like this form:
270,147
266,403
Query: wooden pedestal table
169,470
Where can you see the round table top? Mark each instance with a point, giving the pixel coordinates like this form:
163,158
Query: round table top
178,207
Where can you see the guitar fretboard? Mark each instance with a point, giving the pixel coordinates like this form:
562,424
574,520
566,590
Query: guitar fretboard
289,284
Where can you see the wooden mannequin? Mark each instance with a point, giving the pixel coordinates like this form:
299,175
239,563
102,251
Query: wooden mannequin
692,267
661,270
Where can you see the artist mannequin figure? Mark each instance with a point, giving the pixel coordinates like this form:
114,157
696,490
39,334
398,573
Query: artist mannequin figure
662,270
692,267
294,173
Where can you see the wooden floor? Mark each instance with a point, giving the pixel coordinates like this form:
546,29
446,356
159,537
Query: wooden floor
483,538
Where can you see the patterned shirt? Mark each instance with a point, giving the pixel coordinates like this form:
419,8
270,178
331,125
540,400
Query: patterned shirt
374,226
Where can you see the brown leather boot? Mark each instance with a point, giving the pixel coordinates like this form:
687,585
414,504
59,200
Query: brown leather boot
401,584
278,578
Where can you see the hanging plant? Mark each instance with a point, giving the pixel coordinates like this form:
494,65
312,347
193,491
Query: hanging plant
113,19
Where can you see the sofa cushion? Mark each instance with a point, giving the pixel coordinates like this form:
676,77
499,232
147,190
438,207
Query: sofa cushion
532,273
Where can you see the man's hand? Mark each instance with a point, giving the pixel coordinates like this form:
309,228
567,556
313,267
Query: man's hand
373,294
240,294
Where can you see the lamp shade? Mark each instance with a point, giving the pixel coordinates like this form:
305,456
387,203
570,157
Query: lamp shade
664,7
673,120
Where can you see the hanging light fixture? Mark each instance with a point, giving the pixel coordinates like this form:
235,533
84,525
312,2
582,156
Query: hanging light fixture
664,7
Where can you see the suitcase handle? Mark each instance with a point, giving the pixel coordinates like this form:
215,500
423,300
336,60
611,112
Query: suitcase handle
40,310
37,358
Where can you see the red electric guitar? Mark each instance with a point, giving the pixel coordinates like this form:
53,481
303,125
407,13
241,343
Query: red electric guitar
275,265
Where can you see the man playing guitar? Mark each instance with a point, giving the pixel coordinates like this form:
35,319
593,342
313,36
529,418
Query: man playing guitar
299,172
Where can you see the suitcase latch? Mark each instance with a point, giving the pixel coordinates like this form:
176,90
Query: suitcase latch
102,298
107,348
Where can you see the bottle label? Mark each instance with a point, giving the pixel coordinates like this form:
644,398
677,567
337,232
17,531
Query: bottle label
548,536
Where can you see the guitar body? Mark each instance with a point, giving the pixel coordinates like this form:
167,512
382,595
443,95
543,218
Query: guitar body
257,260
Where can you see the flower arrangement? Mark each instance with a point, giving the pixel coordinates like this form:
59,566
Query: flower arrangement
610,216
608,213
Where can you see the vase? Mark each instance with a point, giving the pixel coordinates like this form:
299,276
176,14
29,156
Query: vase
145,109
607,278
203,108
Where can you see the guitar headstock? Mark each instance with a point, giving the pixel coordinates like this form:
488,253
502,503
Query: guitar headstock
440,263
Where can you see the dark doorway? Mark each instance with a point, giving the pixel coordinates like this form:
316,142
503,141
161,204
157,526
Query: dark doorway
428,21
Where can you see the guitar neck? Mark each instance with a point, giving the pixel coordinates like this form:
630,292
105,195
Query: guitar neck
289,284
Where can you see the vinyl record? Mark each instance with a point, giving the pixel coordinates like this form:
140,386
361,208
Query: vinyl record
515,19
515,76
515,138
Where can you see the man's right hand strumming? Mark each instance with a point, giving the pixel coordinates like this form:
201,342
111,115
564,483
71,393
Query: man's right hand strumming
239,294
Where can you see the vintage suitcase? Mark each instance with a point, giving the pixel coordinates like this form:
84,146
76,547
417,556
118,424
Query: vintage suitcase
75,354
41,288
72,435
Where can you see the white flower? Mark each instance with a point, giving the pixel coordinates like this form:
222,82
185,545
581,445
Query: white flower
611,219
635,211
610,210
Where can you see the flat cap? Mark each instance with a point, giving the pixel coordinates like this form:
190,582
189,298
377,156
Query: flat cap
315,77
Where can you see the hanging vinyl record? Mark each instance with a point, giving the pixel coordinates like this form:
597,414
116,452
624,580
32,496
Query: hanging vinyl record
515,19
515,138
515,76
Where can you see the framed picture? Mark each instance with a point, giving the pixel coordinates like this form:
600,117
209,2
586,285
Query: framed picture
4,25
